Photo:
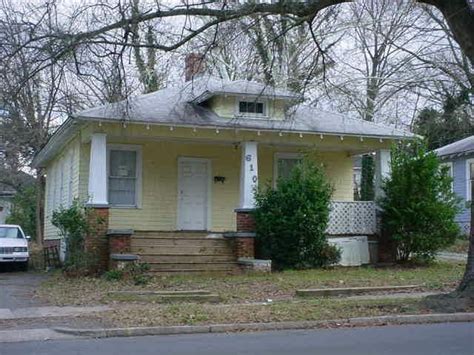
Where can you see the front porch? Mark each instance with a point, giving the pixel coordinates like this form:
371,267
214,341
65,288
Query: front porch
199,191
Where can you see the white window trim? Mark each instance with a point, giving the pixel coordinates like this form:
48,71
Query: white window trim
468,180
139,165
209,191
237,112
277,156
450,165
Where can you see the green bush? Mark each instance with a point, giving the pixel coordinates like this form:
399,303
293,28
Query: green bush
23,210
291,220
419,206
113,275
73,225
136,272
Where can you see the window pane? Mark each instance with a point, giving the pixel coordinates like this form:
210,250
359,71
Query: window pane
285,166
122,191
471,169
251,107
123,163
122,177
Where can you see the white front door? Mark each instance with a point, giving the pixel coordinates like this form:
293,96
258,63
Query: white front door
193,190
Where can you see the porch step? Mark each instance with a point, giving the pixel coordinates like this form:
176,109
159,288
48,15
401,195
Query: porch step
196,258
184,252
172,234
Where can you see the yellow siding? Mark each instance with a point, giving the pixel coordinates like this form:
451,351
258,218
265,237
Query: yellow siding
161,148
159,186
62,183
337,165
160,162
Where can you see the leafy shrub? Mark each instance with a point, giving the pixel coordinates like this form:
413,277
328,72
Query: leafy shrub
113,275
291,220
73,225
23,210
419,206
137,272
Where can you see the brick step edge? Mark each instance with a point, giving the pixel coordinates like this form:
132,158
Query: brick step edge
223,328
321,292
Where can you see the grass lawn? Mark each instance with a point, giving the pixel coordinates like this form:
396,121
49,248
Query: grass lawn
317,309
242,289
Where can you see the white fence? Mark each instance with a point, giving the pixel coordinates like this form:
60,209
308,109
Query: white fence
352,218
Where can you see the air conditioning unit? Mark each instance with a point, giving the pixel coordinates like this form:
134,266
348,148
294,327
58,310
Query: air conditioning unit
354,250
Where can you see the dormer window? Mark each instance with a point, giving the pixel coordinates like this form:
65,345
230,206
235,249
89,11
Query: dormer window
251,108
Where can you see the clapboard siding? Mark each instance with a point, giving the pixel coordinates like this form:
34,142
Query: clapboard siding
62,184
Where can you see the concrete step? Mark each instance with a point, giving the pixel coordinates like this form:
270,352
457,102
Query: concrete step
164,296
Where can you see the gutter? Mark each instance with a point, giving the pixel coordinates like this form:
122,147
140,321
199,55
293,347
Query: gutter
248,129
59,138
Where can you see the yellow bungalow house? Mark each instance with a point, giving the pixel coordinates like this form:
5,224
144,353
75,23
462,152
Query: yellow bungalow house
173,172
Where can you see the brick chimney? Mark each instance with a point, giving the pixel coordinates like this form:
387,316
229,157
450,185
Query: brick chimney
194,65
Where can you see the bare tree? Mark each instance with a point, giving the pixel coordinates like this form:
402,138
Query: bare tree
103,24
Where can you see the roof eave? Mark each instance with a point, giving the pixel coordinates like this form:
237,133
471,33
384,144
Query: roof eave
253,129
59,138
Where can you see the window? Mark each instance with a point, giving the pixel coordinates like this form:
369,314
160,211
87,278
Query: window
251,108
450,172
284,164
123,176
469,178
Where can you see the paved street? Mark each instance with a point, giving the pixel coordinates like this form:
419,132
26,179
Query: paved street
442,339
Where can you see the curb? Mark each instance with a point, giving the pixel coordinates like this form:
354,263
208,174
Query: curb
223,328
325,292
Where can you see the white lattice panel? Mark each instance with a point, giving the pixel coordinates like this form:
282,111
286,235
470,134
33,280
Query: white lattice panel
352,218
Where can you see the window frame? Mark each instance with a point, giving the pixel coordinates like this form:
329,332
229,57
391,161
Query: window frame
251,114
282,155
468,179
139,164
450,165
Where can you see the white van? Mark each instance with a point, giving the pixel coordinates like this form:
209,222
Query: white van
14,245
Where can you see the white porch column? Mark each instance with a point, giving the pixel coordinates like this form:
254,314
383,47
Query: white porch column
248,175
98,170
382,170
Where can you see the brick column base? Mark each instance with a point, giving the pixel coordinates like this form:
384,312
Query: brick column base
119,243
244,238
245,247
96,243
245,221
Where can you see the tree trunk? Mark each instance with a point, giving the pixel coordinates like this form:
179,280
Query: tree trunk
466,287
39,207
460,18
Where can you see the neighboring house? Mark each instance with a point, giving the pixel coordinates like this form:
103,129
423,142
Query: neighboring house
357,176
459,157
6,195
188,158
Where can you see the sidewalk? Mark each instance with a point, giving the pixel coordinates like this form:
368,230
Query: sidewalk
48,312
444,255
